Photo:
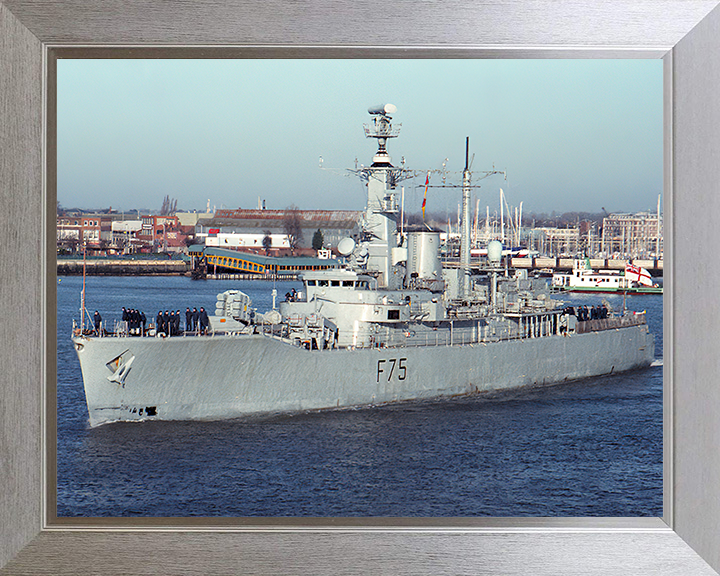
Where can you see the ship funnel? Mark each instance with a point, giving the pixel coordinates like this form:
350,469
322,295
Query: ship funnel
384,110
423,254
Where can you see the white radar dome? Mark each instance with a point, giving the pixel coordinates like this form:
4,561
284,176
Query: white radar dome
494,251
346,246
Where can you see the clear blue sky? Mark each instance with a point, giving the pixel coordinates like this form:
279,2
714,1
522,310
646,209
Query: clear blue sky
573,135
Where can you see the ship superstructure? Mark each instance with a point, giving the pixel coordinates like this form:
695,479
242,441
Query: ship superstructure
391,325
395,291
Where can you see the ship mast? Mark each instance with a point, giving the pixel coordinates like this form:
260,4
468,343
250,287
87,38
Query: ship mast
464,291
465,234
381,215
82,294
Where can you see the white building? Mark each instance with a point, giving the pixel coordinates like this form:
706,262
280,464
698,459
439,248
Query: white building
632,235
243,240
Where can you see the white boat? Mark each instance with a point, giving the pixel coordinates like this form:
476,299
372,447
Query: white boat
633,280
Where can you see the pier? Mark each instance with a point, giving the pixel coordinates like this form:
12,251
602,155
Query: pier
250,276
560,264
655,267
121,267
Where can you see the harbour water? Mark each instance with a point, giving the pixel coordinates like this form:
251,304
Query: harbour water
584,448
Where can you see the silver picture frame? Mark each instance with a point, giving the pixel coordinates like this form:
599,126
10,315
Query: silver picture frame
684,33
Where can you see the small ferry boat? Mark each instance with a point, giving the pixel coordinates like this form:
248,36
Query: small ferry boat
633,280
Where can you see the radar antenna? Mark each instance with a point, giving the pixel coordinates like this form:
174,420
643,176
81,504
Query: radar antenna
381,127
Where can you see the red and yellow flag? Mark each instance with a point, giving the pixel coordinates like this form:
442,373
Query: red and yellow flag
427,182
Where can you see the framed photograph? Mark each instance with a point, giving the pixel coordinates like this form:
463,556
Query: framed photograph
573,129
684,540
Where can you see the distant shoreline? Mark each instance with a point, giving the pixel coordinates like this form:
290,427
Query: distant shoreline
124,267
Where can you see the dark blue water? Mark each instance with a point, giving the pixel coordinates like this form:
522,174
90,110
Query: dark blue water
585,448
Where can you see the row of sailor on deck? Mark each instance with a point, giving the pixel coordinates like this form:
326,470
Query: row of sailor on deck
168,323
584,313
196,320
134,322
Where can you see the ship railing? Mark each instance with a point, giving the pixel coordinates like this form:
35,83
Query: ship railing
123,330
600,324
458,337
277,331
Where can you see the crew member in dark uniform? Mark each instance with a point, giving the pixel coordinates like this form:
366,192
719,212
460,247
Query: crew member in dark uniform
188,320
97,319
136,321
143,321
171,323
177,323
204,320
195,318
159,322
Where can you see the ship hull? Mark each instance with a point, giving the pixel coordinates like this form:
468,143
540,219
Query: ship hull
218,377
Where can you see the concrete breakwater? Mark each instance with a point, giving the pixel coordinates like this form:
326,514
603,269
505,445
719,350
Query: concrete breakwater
122,267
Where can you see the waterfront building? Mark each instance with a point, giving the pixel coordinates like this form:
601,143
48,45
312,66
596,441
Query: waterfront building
556,241
74,230
162,233
191,219
632,236
124,236
245,229
112,233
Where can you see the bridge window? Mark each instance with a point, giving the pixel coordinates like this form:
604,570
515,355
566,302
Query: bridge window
334,282
311,282
393,314
322,282
348,283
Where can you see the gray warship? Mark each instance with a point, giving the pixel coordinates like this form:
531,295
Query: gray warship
391,325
